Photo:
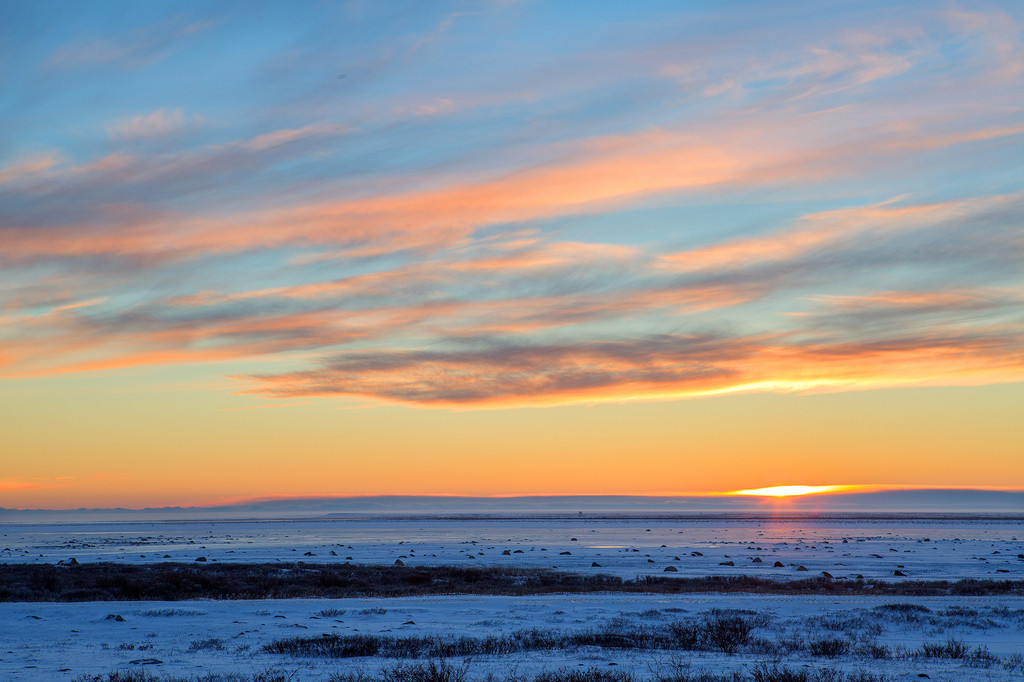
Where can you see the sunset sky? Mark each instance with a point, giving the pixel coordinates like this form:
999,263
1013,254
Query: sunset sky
508,247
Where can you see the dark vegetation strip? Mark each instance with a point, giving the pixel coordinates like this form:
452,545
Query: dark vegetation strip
718,631
178,581
441,671
728,632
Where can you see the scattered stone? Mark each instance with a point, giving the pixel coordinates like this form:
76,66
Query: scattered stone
200,558
146,661
565,553
409,622
399,562
506,553
801,568
899,574
696,554
671,569
115,617
595,565
756,560
826,574
778,564
726,563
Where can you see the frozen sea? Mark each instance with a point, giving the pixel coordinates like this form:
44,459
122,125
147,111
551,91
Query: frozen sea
845,546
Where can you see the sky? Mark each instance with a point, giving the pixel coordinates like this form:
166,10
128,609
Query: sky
508,247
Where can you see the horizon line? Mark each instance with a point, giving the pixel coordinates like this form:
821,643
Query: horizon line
751,496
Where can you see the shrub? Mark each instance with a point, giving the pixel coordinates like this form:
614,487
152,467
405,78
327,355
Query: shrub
874,650
981,657
591,675
431,671
865,676
953,648
727,632
688,635
829,647
763,672
207,644
907,613
126,676
903,608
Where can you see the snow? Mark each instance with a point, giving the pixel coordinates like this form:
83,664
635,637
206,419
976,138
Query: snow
875,548
60,641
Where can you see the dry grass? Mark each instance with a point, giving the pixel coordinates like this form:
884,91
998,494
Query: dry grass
179,581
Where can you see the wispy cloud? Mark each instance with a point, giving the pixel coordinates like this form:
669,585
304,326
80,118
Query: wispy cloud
157,124
595,175
506,374
28,168
26,484
137,48
677,209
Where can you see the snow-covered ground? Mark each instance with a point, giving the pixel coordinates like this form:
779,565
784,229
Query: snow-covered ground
875,548
54,641
62,641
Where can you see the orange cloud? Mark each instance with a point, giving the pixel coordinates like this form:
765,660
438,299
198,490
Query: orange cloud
28,167
23,484
590,175
596,174
829,228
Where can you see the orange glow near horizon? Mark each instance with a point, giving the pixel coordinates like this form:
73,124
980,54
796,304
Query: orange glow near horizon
791,490
532,249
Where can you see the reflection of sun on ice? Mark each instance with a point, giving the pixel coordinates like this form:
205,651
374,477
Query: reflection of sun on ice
787,490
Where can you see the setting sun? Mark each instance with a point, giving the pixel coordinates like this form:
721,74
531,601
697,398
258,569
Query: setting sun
789,490
333,250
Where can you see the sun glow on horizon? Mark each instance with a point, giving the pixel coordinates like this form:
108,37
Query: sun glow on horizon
791,490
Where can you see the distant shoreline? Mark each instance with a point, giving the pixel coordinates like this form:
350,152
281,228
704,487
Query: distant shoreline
127,517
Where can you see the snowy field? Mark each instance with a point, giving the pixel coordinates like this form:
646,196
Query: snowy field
64,641
981,547
647,636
